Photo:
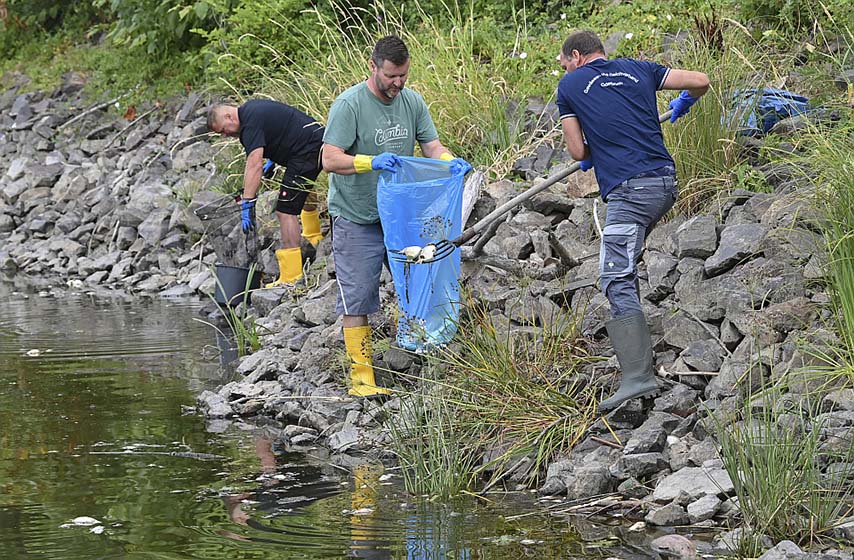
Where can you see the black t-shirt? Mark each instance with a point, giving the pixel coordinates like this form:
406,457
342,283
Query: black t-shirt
283,132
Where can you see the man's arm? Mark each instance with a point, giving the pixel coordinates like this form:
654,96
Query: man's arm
574,139
697,83
252,173
434,149
336,160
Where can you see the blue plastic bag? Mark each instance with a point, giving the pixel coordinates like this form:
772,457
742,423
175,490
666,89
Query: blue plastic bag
755,111
421,203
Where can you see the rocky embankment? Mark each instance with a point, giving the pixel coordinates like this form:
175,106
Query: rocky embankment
101,201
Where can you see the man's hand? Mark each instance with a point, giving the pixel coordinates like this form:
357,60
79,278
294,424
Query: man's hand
247,214
386,161
681,105
269,169
459,166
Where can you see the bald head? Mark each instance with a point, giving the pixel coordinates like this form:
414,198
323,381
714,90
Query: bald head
223,119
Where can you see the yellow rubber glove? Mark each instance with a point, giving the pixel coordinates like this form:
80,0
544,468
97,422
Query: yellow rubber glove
362,163
446,156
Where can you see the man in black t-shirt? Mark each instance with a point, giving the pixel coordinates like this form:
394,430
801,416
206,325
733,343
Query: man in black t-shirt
290,138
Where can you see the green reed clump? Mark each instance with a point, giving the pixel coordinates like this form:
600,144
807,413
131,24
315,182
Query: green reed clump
790,482
437,455
514,395
522,388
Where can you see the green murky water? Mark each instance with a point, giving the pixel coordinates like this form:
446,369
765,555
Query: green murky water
95,423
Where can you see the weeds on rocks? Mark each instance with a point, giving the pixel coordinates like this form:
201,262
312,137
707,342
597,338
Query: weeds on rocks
502,402
792,482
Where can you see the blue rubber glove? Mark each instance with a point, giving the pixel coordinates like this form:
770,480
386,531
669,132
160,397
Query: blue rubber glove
681,105
585,164
269,169
247,214
459,166
386,161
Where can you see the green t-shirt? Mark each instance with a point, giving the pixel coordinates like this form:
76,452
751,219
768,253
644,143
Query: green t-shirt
359,123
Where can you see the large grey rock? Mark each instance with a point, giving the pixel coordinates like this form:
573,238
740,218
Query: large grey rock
738,242
695,481
652,434
669,515
737,376
18,167
703,355
194,155
697,237
662,274
154,227
680,401
674,547
704,508
680,331
638,466
150,195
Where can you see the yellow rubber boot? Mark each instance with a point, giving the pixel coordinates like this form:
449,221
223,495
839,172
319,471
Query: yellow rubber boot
357,340
290,267
311,226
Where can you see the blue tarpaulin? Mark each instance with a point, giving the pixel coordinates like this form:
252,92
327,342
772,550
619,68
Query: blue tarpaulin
421,203
755,111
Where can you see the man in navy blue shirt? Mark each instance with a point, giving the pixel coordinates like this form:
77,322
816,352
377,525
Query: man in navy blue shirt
609,117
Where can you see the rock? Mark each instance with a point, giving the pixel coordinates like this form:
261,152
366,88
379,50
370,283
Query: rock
840,399
784,550
194,155
652,434
704,508
587,481
680,331
638,466
697,237
738,242
674,547
398,359
731,541
345,439
703,355
215,405
680,401
662,274
669,515
695,481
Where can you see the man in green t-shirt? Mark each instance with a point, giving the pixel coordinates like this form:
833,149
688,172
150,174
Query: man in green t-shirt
369,125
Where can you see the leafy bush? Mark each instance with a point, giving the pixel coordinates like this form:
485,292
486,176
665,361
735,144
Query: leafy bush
162,27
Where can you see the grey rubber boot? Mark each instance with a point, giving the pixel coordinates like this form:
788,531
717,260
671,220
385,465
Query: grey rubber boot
633,346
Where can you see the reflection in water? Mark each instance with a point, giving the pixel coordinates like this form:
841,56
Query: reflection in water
94,424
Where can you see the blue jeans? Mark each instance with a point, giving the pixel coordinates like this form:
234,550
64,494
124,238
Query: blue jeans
634,207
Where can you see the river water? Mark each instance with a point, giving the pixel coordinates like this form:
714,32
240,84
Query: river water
103,456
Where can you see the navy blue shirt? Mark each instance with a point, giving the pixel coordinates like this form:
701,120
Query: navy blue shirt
614,101
283,131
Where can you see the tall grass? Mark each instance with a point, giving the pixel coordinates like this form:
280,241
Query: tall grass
467,72
703,143
774,458
438,457
512,395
